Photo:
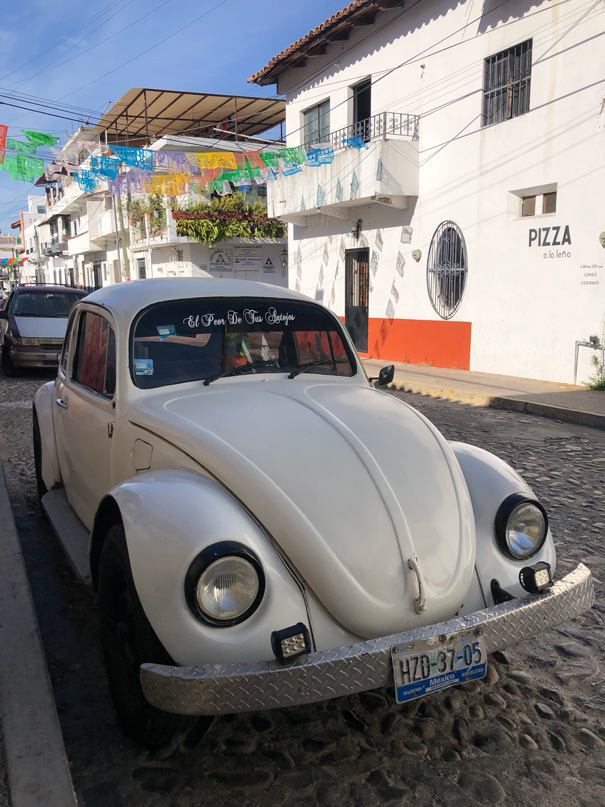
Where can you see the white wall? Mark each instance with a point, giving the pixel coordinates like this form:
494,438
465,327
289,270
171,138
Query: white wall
527,305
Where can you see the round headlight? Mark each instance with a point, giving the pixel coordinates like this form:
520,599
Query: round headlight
225,584
521,527
227,589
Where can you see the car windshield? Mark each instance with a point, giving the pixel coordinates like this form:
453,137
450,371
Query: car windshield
202,339
44,303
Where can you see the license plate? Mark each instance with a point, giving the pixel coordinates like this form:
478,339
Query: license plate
429,665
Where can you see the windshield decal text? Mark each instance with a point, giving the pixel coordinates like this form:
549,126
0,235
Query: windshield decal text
249,316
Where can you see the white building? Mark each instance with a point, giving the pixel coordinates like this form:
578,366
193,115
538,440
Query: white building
91,239
30,271
469,231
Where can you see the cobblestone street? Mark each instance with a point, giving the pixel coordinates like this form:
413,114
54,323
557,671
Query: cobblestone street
531,733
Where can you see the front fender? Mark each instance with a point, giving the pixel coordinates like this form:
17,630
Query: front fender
490,480
169,517
43,408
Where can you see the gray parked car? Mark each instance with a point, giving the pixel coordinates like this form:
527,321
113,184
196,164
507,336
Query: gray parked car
32,326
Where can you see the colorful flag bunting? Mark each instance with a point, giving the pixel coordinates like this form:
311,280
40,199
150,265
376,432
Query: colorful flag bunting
40,139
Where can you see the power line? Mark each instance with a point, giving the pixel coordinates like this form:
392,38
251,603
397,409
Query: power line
98,44
39,111
64,37
161,42
40,101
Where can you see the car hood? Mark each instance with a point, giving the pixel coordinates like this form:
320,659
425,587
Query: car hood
349,481
46,327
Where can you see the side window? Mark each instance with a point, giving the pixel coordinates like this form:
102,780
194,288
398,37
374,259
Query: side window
95,360
66,343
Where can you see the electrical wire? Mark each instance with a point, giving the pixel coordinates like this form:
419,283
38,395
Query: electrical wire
39,111
157,44
47,102
65,37
98,44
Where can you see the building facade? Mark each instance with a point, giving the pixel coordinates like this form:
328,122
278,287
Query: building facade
461,223
97,239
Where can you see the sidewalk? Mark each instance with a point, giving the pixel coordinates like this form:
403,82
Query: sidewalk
36,765
561,401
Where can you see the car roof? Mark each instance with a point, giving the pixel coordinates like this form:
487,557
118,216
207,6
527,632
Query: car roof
125,300
44,288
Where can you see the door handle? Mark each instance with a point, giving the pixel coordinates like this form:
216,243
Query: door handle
63,404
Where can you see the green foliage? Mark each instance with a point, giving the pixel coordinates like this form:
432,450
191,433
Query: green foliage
152,208
228,217
597,381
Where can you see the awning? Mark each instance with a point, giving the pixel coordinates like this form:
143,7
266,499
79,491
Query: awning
144,114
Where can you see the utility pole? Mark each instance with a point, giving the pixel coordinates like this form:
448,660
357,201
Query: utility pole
39,271
123,239
115,218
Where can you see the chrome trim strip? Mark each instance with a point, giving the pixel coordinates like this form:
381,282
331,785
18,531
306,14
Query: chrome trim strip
241,687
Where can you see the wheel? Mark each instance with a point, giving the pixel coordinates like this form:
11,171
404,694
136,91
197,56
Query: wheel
7,364
128,641
42,489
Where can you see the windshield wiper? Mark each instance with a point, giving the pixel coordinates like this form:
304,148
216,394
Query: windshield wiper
251,365
311,364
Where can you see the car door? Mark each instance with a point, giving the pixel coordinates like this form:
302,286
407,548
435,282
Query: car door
84,411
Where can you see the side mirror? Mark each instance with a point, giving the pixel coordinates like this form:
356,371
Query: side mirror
3,313
385,376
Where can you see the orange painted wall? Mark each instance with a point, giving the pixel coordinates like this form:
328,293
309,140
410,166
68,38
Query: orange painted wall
441,343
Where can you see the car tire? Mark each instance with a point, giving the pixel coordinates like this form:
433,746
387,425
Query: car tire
42,489
10,371
128,641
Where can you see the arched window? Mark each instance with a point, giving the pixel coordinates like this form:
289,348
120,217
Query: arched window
446,269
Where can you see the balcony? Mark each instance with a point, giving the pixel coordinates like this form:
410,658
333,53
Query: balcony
101,227
81,244
53,248
385,125
375,162
69,199
165,234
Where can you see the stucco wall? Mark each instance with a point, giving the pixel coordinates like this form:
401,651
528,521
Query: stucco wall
524,305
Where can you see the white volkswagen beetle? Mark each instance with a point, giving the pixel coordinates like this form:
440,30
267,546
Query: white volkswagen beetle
263,525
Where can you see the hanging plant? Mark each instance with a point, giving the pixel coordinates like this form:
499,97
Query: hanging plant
152,208
226,217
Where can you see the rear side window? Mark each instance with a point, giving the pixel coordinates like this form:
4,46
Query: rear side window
95,361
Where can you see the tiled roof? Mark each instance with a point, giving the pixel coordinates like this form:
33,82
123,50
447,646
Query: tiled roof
337,28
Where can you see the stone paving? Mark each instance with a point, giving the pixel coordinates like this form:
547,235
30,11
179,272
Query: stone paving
531,733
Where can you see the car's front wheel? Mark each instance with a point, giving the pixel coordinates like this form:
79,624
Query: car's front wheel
128,641
7,363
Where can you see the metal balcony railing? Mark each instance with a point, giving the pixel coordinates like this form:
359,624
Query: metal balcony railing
386,124
52,248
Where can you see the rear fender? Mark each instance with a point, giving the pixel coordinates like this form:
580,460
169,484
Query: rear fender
490,481
169,517
43,409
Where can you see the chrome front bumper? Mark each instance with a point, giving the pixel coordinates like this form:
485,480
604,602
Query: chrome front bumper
249,686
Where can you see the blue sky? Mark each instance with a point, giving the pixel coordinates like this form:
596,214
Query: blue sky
54,52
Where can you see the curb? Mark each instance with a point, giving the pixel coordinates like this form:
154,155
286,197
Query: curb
562,413
577,416
38,771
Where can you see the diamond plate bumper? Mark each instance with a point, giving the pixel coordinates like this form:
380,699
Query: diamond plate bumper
242,687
